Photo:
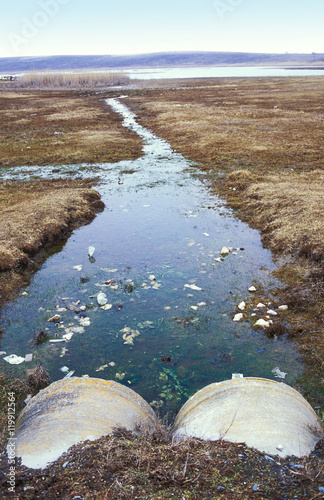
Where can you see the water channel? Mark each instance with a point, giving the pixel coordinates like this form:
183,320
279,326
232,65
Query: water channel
167,329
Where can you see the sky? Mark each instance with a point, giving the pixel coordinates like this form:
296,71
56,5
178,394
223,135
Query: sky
95,27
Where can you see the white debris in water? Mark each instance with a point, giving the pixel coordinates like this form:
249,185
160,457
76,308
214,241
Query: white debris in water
278,373
84,321
195,308
13,359
194,287
91,251
206,234
152,277
78,268
64,369
167,308
238,317
68,336
101,368
102,299
219,259
106,307
201,304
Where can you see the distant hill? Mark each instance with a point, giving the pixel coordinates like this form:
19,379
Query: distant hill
156,60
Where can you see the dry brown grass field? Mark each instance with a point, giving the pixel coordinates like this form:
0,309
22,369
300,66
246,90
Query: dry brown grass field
62,127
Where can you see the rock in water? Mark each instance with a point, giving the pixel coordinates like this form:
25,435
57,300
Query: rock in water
224,251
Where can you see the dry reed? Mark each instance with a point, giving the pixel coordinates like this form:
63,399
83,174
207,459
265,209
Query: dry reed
71,80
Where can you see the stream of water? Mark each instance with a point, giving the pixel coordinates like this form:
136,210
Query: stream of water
167,329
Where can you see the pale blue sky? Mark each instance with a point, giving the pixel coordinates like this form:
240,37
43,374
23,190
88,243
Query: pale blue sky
54,27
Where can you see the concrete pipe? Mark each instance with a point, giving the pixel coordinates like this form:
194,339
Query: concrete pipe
73,410
267,415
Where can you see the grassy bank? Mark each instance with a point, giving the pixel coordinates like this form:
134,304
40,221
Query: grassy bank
33,216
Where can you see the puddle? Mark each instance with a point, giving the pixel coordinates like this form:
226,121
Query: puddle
166,325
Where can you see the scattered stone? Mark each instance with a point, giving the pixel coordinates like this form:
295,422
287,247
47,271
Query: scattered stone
224,251
102,299
194,308
152,277
263,323
219,259
238,317
112,364
55,318
271,312
241,306
283,308
252,289
261,306
255,487
83,308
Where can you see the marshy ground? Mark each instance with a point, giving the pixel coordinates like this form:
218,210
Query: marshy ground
260,144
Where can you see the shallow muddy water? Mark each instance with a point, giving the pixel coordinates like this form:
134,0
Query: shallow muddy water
168,328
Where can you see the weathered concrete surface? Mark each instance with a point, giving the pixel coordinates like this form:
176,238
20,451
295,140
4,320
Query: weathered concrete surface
73,410
269,416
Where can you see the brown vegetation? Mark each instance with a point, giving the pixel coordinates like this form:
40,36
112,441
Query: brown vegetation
124,466
34,215
42,128
82,80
